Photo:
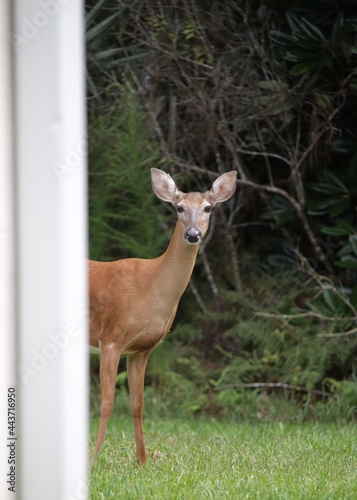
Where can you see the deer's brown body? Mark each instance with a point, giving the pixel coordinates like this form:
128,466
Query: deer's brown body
133,302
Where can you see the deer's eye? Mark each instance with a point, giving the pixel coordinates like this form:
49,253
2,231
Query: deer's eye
179,209
208,209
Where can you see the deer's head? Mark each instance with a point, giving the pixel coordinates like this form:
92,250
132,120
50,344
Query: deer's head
193,209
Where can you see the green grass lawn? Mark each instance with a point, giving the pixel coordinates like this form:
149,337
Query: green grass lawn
208,459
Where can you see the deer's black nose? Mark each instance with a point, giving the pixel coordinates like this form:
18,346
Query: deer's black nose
193,235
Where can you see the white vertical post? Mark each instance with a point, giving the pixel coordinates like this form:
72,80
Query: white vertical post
48,46
7,260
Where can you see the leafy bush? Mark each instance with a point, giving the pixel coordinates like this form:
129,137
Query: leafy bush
125,218
267,89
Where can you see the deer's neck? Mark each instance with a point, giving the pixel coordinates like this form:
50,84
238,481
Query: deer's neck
176,266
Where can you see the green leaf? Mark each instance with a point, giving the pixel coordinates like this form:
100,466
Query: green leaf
319,307
348,263
293,22
279,216
304,67
326,188
100,28
334,302
339,207
328,184
308,43
273,85
278,104
320,207
353,240
334,207
103,54
90,15
312,31
280,37
304,33
323,101
346,249
339,31
299,55
342,228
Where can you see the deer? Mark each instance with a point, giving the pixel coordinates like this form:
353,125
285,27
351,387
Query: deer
133,302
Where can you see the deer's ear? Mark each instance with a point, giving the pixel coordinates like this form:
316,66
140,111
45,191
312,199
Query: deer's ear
223,188
164,186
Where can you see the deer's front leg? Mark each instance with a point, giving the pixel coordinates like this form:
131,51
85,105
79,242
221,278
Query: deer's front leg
109,361
136,374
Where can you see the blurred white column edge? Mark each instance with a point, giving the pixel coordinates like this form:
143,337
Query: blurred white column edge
47,43
7,249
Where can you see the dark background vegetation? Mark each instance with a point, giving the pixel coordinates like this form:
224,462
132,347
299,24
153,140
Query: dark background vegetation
268,89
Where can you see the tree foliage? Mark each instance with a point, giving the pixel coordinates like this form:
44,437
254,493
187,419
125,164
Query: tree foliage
125,219
269,89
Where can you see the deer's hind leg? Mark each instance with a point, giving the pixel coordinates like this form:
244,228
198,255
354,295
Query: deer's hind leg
136,374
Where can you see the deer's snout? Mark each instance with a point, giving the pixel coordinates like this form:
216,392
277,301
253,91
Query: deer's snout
193,236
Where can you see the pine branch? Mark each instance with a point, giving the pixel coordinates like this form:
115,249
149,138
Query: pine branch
274,385
307,314
198,297
340,334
